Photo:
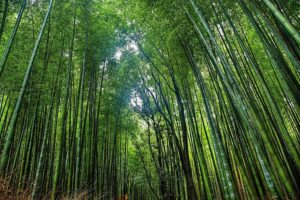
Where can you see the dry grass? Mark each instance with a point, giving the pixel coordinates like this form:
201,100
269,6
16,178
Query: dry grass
9,193
79,196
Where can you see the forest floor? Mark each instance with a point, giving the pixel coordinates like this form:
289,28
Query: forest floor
8,192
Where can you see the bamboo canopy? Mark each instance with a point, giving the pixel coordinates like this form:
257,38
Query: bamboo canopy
140,99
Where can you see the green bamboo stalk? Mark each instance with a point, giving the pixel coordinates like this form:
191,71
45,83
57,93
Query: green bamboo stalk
294,33
12,37
12,124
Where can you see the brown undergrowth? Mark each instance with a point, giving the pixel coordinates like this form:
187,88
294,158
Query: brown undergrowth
9,192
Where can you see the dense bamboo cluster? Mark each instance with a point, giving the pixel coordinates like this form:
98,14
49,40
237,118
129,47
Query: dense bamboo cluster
164,99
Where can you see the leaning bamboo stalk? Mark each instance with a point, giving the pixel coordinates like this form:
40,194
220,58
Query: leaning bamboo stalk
12,124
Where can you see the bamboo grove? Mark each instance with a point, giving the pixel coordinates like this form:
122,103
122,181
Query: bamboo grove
150,99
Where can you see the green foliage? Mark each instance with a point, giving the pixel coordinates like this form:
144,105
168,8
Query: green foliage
157,99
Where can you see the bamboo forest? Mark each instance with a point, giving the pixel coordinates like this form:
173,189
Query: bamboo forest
149,99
